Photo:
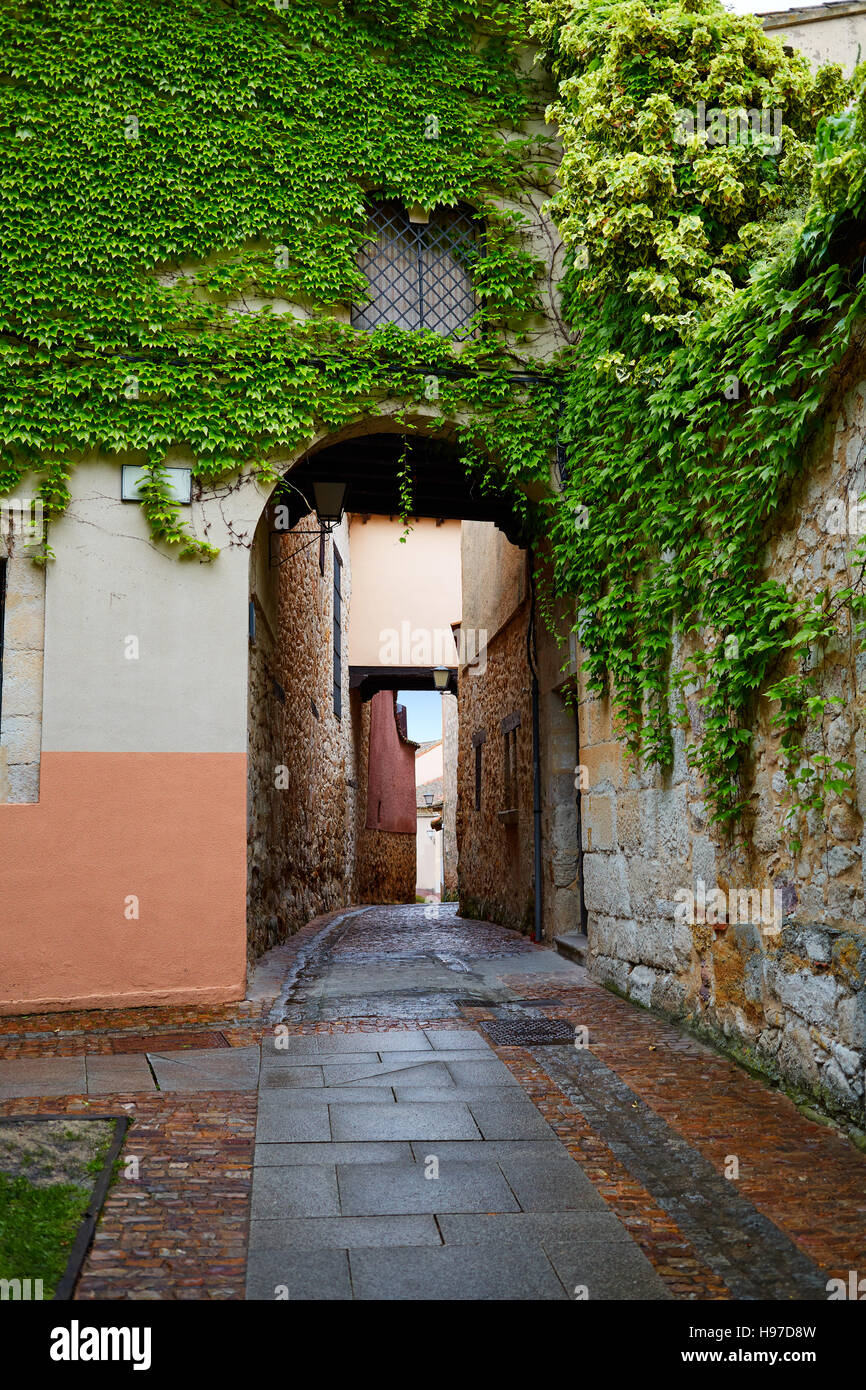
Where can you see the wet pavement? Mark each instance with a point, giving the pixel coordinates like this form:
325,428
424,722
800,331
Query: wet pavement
410,1105
408,1163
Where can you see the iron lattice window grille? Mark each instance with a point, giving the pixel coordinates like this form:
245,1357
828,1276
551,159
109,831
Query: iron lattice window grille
420,273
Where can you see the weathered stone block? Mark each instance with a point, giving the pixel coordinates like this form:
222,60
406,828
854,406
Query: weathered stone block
669,994
597,822
795,1056
836,1081
604,765
601,932
628,822
813,997
644,885
626,942
22,683
22,738
682,942
606,884
25,623
607,970
673,824
648,804
851,1021
704,860
23,784
840,858
640,984
655,942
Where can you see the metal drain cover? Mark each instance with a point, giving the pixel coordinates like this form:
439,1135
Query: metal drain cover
166,1042
529,1032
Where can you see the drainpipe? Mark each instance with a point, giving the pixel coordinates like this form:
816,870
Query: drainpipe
532,660
579,794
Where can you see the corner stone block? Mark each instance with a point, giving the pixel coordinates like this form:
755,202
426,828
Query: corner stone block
597,822
606,884
604,764
601,932
673,824
22,683
607,970
599,720
22,739
23,784
640,984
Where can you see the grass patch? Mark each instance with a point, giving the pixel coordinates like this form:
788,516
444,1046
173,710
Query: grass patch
37,1228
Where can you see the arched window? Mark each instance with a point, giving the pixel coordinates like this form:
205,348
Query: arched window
419,272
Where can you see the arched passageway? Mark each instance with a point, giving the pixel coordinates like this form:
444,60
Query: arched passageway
424,569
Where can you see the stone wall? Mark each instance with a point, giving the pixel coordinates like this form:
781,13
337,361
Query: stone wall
23,629
450,751
302,772
385,860
496,840
784,984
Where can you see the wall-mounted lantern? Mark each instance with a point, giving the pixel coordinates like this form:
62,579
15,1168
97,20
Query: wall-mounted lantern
179,483
329,500
428,797
441,676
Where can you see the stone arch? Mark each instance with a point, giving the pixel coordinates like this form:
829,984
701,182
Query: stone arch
301,832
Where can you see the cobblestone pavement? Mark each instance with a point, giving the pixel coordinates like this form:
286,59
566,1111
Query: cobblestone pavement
560,1168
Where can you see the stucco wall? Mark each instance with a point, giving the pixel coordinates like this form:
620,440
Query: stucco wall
825,33
406,595
126,882
385,859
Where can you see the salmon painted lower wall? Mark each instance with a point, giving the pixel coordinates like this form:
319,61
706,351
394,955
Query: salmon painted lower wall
166,829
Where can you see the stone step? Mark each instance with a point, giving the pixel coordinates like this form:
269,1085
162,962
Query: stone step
573,946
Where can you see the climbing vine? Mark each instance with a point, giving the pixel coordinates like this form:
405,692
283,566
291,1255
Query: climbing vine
183,196
182,201
715,304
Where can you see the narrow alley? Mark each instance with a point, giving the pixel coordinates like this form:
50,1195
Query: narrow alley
411,1105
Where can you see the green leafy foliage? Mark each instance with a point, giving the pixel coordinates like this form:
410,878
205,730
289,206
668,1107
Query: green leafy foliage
686,429
175,174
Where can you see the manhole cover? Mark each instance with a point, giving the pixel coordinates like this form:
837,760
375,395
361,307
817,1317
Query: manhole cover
537,1003
167,1042
530,1032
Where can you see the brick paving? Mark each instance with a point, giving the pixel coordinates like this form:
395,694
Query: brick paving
181,1229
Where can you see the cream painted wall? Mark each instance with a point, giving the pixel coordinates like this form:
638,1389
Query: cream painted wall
187,689
405,596
428,858
428,766
822,33
494,582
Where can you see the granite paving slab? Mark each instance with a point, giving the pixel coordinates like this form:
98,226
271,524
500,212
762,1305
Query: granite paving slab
342,1232
43,1076
379,1189
424,1121
455,1273
294,1275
